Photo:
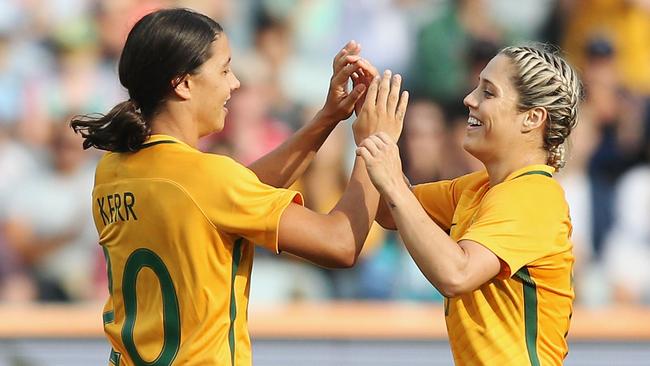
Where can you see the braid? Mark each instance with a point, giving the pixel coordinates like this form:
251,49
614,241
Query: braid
544,79
556,156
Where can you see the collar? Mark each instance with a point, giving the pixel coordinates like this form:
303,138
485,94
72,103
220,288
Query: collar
542,169
162,139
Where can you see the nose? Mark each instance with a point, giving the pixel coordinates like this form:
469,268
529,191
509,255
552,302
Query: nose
236,84
470,101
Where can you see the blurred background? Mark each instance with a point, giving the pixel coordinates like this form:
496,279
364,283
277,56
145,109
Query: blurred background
58,58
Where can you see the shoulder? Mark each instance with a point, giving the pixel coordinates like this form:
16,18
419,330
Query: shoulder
531,191
222,167
471,181
107,163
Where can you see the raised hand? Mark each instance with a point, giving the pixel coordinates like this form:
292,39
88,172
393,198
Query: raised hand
364,76
347,65
383,109
381,155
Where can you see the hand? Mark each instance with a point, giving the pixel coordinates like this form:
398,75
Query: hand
383,109
381,155
347,64
364,76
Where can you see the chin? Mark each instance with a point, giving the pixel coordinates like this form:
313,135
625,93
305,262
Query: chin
467,145
216,128
218,124
472,149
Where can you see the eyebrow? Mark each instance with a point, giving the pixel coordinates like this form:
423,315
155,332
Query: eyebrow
488,81
227,62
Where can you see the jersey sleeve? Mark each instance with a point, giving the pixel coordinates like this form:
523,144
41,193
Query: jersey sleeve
439,199
238,203
522,221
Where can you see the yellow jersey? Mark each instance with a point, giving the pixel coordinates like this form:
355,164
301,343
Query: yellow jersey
177,227
522,316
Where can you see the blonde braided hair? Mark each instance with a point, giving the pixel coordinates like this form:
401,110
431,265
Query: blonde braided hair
544,79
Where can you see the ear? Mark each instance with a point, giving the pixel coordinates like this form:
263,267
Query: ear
181,87
533,119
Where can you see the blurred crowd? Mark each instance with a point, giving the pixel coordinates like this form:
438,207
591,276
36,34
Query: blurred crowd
58,58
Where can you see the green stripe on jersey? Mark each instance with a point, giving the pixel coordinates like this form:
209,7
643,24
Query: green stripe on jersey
114,358
530,314
108,317
236,258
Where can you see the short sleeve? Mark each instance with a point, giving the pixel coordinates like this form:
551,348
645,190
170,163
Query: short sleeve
522,221
238,203
439,199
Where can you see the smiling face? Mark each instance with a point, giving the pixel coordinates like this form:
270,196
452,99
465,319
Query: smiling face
211,87
494,123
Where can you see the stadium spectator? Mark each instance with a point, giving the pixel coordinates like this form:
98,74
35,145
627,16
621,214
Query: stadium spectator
627,247
48,223
440,64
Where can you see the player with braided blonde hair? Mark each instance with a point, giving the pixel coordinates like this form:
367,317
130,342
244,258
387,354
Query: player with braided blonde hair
496,243
545,79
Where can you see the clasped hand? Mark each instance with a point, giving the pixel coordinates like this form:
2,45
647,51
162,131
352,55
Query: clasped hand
381,155
348,65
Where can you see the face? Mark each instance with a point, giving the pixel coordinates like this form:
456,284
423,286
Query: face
424,136
212,86
493,126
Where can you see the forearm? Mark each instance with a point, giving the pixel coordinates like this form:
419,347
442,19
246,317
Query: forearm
441,259
356,210
334,239
282,166
384,216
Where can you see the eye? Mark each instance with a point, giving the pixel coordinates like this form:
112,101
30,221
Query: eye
226,71
487,93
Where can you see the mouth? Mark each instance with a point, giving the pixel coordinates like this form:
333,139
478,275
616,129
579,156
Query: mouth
224,105
473,122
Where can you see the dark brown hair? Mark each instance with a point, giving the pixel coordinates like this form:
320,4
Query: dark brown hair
161,48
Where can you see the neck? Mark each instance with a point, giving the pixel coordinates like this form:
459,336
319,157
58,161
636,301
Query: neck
499,169
176,123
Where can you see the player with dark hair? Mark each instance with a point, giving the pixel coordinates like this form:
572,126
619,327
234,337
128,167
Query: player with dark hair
178,226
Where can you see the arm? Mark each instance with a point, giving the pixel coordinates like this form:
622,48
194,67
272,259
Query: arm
384,217
282,166
336,239
453,268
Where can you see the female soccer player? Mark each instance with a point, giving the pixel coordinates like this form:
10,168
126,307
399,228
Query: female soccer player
496,242
178,226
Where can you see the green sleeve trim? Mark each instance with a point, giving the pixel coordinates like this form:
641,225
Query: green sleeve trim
530,314
236,258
